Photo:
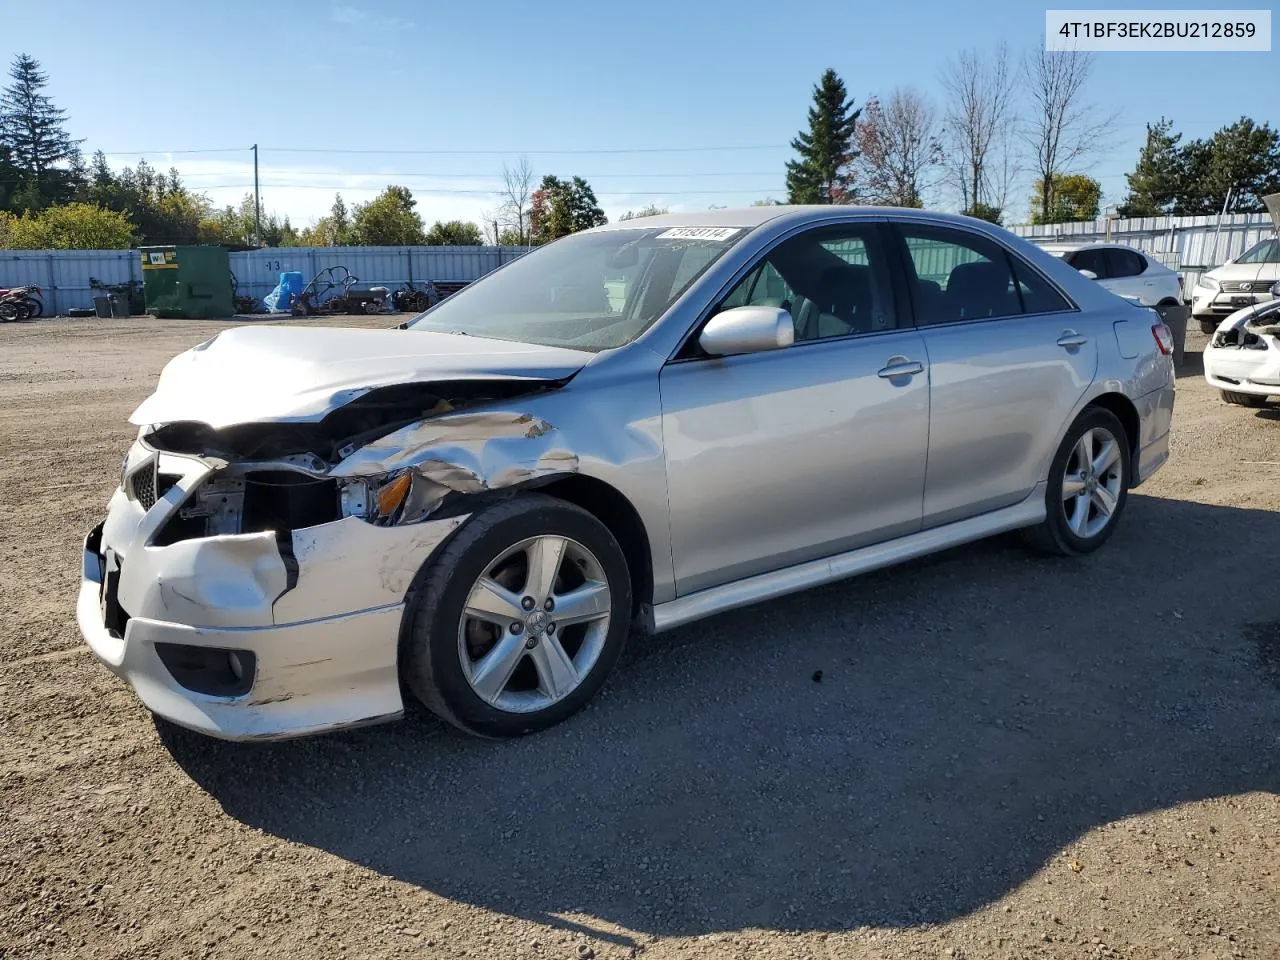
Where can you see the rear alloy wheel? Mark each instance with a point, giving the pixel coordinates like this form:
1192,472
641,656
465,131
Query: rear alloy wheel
1088,486
1243,399
520,618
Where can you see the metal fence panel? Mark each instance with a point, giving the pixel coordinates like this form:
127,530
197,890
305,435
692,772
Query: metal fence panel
65,276
258,271
1189,245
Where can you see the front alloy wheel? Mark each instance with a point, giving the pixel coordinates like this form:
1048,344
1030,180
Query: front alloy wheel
519,619
534,624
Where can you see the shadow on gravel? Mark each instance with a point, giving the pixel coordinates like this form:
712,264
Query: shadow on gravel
977,712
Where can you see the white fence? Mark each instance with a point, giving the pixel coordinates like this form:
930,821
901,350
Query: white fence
1189,245
68,277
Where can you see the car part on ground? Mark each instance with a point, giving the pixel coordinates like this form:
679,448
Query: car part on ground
641,424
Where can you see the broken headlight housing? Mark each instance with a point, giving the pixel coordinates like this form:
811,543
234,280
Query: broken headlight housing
401,496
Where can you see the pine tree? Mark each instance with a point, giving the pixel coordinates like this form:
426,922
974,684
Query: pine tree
32,131
823,174
1154,182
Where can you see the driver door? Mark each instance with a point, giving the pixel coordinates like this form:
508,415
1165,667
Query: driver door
789,455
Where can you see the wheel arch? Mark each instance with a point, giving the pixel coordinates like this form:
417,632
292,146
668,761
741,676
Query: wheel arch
608,505
1125,412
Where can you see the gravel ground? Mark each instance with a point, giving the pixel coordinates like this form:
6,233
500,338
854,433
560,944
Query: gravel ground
1003,755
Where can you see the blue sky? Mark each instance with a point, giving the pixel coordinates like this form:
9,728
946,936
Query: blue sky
596,89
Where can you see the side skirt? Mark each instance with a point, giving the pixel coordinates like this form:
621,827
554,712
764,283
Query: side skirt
767,586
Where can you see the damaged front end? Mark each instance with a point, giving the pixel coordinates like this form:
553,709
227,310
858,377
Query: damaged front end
395,455
1254,328
1243,355
250,579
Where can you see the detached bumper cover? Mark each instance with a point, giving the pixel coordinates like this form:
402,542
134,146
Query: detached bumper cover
320,608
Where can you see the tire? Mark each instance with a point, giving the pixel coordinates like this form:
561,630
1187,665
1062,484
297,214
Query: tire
439,634
1243,399
34,307
1208,326
10,311
1059,533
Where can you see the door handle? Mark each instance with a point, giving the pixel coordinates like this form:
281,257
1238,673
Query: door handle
1071,339
900,367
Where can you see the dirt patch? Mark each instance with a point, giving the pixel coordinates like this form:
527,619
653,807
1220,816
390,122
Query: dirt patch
1006,756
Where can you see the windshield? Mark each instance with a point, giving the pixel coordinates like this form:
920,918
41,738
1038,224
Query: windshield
1268,251
589,291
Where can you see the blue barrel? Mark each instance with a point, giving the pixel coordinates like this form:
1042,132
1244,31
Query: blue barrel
291,284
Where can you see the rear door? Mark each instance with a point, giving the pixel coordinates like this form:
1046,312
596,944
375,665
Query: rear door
1125,275
1009,356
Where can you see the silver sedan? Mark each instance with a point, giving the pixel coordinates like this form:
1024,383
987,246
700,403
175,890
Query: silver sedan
633,427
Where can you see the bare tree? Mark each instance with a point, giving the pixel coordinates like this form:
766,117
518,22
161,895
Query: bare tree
1063,126
978,118
517,193
900,148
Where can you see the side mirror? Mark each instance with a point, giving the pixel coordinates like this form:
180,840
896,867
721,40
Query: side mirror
1088,273
747,330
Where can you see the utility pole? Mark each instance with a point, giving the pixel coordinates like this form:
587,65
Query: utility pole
257,202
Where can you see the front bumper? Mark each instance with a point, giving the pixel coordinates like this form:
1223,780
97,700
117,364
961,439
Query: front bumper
1249,370
1214,305
319,610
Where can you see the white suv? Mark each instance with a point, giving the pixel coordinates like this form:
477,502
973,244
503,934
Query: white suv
1123,270
1243,282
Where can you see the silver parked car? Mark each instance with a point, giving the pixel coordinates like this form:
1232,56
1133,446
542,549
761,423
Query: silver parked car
646,423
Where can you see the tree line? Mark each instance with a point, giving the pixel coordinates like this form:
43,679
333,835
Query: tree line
1000,120
51,198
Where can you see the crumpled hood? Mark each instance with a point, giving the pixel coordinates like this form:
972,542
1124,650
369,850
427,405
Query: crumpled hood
298,374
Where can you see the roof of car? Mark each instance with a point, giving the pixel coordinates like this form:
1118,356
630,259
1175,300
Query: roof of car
752,217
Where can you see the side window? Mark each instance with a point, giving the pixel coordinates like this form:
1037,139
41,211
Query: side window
1124,263
957,275
1092,260
834,281
1037,295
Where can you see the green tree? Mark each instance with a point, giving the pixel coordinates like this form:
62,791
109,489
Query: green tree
160,207
454,233
1155,180
985,211
68,226
1244,158
33,132
823,173
561,207
511,237
388,220
331,231
1072,196
237,226
652,210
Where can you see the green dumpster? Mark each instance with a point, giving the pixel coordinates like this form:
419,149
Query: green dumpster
187,281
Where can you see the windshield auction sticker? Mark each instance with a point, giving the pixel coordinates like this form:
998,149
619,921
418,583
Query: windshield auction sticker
716,234
1155,30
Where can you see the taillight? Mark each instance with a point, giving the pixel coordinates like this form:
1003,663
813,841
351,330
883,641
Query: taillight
1164,338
